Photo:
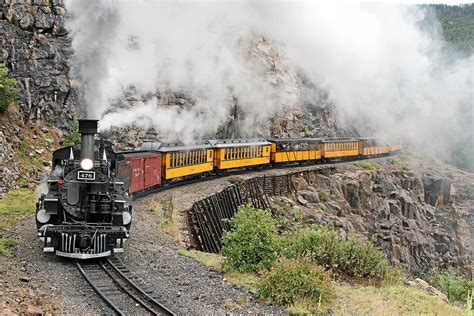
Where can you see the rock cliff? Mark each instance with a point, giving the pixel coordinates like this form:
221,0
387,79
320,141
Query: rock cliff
420,214
35,48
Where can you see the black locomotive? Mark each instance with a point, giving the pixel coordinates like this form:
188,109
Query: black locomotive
86,212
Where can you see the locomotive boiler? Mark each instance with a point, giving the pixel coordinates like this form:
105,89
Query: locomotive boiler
86,212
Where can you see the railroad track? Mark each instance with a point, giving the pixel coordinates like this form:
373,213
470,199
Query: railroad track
122,291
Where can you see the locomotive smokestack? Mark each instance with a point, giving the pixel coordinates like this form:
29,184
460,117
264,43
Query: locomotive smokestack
87,128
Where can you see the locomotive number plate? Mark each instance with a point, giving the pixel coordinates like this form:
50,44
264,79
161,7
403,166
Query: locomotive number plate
85,175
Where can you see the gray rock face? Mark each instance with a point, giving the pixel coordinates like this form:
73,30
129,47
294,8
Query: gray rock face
421,221
9,171
35,49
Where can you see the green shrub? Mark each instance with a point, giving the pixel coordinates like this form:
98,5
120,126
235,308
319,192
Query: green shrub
251,245
74,137
317,244
9,89
361,259
293,280
456,287
24,183
353,257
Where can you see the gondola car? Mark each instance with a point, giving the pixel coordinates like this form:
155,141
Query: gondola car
295,150
240,153
339,147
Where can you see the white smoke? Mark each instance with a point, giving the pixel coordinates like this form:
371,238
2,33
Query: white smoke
376,63
197,48
374,60
42,187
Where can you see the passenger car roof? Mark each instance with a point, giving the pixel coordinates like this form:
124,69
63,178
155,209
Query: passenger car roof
224,143
308,140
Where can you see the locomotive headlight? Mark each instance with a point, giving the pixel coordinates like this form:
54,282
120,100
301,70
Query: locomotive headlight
87,164
127,218
42,216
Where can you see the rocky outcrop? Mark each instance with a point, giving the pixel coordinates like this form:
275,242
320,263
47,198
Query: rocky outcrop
417,217
35,48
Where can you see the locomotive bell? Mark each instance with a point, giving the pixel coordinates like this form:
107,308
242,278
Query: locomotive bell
87,128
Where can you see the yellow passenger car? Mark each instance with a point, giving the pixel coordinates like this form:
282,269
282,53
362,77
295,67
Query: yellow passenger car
295,149
239,153
395,146
339,147
179,161
373,147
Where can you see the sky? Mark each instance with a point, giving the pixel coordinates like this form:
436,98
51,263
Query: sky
409,2
450,2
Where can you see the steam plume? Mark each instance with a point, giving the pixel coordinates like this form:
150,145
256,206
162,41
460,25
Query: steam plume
375,61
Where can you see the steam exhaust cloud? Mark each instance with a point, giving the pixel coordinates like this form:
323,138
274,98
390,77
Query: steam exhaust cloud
375,61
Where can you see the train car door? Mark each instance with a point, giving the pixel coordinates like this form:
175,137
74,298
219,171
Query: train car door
152,165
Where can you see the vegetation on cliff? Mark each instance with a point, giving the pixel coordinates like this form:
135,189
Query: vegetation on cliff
9,89
74,137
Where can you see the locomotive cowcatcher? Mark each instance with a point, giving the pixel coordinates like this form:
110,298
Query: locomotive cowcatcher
86,212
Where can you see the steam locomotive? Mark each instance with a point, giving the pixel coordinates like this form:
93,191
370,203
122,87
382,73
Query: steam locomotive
86,212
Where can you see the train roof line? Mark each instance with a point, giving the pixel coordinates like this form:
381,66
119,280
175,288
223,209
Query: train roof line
223,143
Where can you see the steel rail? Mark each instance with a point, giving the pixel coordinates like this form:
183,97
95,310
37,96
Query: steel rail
163,310
102,295
126,286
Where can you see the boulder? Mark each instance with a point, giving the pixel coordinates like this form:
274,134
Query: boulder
423,285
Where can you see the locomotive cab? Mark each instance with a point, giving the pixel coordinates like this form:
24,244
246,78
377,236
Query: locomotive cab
86,212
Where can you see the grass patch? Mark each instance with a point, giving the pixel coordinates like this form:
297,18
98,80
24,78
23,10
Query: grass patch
392,300
215,261
371,166
6,245
292,280
323,196
165,212
236,304
210,260
396,162
248,280
301,307
15,206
